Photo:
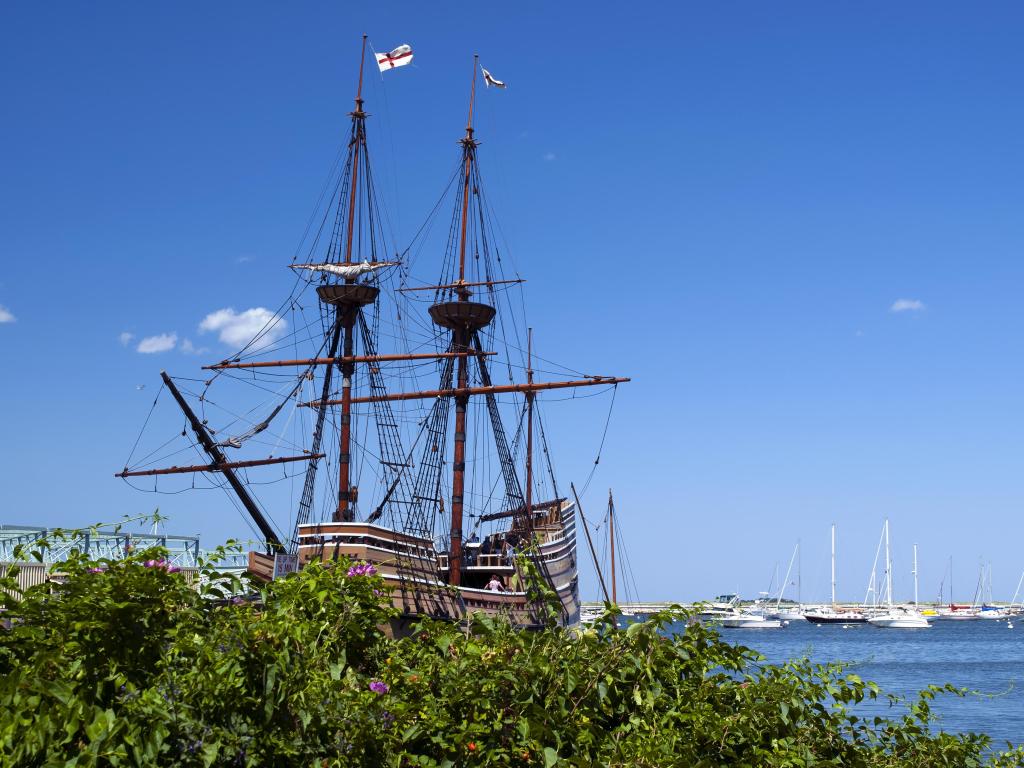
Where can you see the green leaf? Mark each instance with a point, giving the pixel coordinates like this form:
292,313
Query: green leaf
210,751
550,757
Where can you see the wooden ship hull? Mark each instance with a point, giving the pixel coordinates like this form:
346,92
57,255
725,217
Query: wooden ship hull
418,574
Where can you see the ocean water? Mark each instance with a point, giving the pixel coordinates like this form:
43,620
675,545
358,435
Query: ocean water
984,656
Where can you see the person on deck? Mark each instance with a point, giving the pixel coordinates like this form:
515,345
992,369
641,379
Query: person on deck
471,552
495,585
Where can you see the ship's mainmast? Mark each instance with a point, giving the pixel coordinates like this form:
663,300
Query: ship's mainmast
464,318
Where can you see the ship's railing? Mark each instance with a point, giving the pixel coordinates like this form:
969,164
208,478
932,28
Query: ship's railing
326,541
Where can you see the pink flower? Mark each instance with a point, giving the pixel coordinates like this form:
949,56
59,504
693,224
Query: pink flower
363,569
165,564
95,570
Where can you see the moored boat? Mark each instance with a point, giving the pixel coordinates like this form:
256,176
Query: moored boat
834,614
893,616
455,512
750,621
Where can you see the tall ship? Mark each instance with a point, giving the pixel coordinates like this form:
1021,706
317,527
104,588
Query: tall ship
387,418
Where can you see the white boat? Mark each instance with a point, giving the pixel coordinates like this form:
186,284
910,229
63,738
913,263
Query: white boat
721,607
788,614
898,617
993,614
750,621
959,614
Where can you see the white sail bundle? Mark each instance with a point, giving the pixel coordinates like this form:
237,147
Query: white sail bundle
347,271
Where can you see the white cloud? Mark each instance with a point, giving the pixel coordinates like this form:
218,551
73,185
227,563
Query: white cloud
161,343
125,338
243,259
907,305
237,329
6,316
549,156
189,348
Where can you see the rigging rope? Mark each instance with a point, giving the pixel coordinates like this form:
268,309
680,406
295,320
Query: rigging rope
600,448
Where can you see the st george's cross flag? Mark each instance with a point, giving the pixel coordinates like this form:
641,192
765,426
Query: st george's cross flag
399,57
489,80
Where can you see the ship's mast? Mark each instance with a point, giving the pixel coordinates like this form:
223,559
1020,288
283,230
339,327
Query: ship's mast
611,539
464,318
468,156
916,604
529,432
888,566
348,299
833,565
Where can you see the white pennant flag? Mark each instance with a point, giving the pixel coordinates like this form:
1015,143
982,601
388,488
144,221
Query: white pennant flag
399,57
489,80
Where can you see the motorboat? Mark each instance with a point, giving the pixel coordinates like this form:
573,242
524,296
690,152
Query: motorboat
750,621
721,607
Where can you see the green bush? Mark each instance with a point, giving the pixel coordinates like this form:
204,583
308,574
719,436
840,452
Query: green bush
128,663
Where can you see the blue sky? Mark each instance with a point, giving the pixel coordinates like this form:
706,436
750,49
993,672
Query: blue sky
725,201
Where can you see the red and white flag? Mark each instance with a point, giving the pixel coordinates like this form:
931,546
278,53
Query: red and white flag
399,57
490,80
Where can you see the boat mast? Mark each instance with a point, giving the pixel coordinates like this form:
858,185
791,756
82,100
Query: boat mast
462,330
915,576
611,536
799,574
529,432
464,318
590,543
1017,590
951,601
785,581
347,311
833,565
888,566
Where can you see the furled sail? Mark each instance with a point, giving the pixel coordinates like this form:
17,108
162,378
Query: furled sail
347,271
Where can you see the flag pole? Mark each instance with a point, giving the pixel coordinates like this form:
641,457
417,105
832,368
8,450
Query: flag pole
468,145
472,96
359,90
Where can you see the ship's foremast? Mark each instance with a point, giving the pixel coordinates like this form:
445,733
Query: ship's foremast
348,298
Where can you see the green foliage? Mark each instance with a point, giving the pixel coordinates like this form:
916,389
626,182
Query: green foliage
132,663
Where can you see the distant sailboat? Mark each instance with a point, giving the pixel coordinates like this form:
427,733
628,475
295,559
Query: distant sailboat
898,617
834,615
790,612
